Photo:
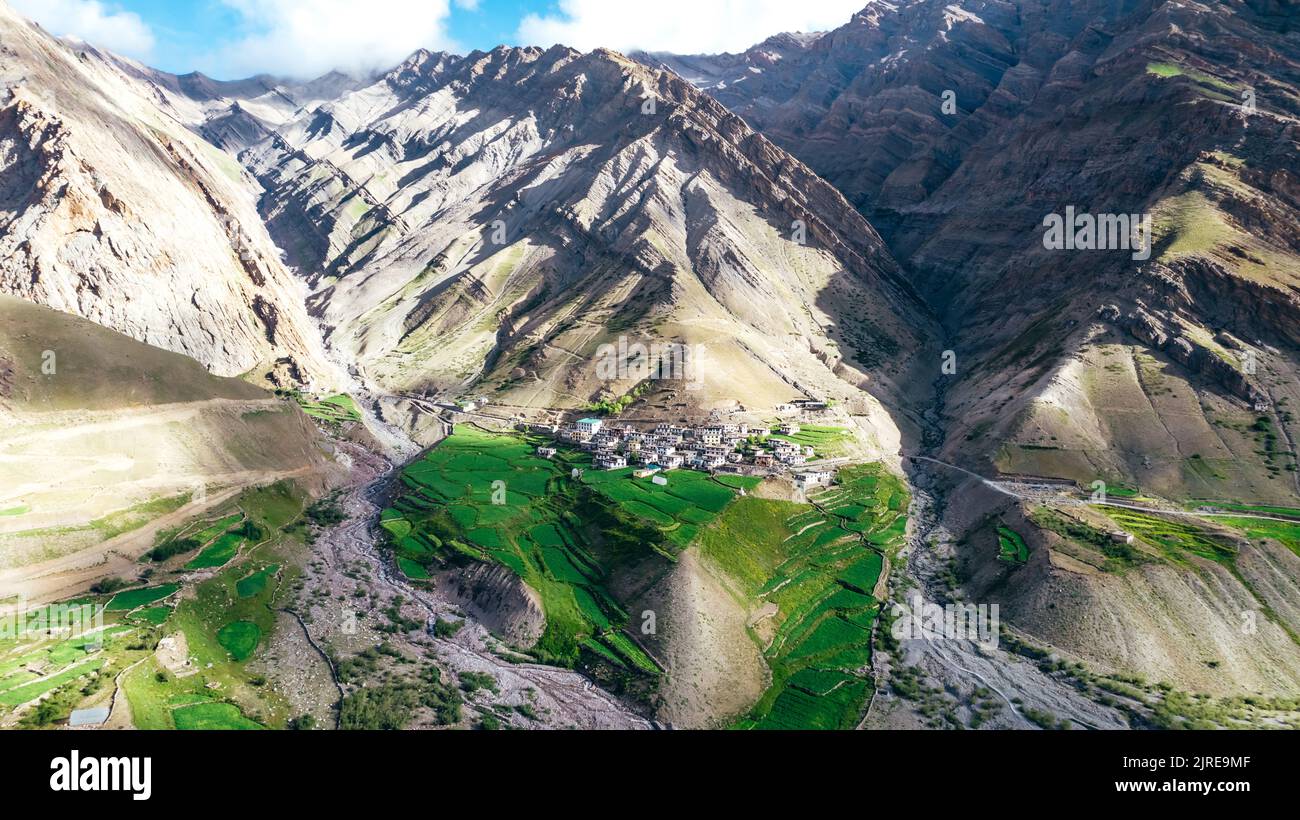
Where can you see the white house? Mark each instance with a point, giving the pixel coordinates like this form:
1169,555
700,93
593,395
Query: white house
815,478
589,426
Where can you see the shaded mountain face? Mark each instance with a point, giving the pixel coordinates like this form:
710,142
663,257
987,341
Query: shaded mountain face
496,220
957,128
113,210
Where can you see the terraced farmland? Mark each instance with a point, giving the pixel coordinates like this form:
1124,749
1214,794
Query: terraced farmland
819,565
485,497
332,409
1174,540
690,500
827,442
211,717
56,669
135,598
226,546
1284,532
255,583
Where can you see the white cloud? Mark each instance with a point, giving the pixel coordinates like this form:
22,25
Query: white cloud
307,38
92,21
682,26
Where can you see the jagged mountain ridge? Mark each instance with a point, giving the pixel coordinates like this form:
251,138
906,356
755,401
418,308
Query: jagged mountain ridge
1056,105
622,197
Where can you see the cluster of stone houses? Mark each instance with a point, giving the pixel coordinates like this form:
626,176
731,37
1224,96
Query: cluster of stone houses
716,446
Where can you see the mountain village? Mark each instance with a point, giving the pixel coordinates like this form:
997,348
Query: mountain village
715,446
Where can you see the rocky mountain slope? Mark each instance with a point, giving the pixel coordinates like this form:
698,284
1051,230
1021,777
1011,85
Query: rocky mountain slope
111,209
1056,106
494,220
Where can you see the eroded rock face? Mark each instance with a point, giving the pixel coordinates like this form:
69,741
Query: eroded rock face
1110,108
1134,108
1193,355
111,210
501,601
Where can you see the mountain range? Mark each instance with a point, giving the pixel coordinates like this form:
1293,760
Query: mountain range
856,217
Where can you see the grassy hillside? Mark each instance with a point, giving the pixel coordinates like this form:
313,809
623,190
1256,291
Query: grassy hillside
86,409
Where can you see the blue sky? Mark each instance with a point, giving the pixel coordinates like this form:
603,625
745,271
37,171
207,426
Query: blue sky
234,38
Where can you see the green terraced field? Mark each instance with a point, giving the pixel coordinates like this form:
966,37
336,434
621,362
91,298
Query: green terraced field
827,442
226,547
332,409
134,598
413,570
1284,532
255,583
1011,546
153,616
209,533
1175,540
211,716
1262,509
487,497
37,687
819,565
240,639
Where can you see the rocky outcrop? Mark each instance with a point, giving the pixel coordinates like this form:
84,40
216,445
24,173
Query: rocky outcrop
1196,357
500,600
